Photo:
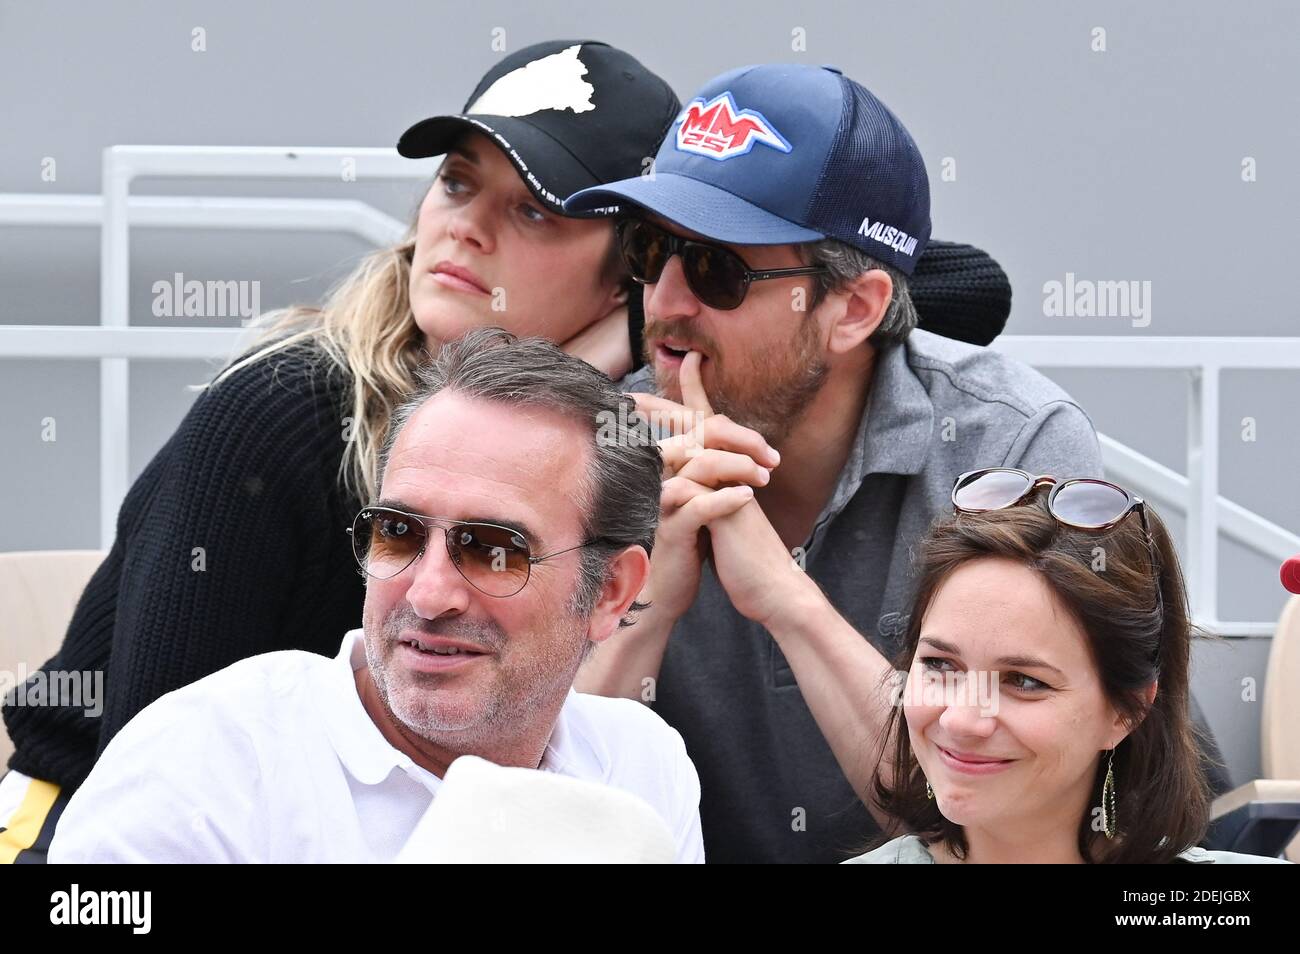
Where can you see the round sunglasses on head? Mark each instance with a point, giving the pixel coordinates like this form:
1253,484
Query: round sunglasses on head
1084,503
494,559
1088,503
717,276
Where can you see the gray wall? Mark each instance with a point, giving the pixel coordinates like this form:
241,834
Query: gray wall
1119,165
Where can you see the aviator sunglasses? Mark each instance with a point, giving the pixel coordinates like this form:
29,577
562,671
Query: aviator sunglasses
495,560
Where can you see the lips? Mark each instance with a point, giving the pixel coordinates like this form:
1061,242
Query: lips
973,759
438,646
970,764
671,352
679,346
454,276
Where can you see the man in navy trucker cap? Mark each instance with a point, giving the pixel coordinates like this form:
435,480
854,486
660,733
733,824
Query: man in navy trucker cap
818,433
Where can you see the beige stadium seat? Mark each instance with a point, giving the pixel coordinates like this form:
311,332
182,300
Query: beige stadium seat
38,590
1269,804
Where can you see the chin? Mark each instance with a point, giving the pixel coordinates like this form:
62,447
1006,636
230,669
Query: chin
429,713
441,318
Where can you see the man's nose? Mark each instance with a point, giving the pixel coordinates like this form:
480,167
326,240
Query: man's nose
671,297
436,586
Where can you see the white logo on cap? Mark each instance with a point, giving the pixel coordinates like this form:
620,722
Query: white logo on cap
895,238
552,82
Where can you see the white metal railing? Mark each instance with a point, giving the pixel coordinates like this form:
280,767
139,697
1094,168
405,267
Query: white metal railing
116,211
113,342
1204,359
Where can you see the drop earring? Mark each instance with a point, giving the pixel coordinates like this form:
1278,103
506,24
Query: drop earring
1108,799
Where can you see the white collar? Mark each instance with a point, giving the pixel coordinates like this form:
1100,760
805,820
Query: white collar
362,748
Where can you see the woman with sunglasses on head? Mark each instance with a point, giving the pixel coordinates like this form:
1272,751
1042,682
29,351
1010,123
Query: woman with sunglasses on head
1044,711
231,543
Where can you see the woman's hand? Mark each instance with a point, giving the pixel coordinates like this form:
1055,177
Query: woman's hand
604,344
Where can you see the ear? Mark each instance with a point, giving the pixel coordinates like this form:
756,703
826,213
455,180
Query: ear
1120,731
858,309
628,572
615,299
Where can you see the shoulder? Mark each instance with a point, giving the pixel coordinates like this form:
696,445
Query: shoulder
970,373
903,850
1204,856
217,725
285,408
625,743
231,706
640,380
185,779
296,375
1022,418
607,728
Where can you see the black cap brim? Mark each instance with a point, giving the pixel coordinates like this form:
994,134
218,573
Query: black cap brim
548,169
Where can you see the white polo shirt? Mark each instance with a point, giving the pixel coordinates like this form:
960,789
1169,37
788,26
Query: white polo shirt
275,759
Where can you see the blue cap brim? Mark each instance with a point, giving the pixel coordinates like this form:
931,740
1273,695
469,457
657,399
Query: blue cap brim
697,206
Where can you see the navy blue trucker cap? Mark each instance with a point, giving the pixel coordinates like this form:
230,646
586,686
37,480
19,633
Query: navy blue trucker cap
778,154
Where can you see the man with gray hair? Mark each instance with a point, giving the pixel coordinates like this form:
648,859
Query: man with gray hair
507,542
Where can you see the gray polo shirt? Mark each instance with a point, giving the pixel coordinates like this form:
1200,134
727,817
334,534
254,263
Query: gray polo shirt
772,790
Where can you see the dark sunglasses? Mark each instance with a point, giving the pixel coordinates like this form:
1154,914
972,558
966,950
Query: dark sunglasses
493,559
717,276
1085,503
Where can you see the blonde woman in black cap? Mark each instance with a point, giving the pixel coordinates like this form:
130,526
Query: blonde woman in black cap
231,543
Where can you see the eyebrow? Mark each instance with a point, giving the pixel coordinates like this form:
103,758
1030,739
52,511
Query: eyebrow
522,526
465,152
521,190
1004,662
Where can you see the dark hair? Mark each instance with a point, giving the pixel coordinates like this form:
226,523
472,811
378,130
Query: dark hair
843,264
1162,793
619,495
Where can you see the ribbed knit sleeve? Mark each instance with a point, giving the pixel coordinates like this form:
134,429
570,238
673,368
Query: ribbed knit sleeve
231,543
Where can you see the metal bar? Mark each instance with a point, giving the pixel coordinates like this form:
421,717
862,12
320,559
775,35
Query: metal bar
1170,488
114,373
164,211
97,342
321,162
1203,492
1080,351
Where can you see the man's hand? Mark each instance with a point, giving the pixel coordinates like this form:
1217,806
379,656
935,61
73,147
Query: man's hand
604,344
761,577
710,462
708,474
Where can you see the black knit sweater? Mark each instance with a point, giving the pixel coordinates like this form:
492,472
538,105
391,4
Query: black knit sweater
251,478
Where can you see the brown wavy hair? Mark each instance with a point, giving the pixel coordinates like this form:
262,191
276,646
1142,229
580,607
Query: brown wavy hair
1135,637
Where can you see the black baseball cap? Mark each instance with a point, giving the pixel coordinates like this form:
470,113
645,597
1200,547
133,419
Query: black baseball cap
570,114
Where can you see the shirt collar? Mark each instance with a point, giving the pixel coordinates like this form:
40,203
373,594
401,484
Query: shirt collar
362,748
895,429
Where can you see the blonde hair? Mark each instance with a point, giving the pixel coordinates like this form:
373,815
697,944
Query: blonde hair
365,328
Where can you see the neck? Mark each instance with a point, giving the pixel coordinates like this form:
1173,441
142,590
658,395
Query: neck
1055,845
524,750
815,449
1053,840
